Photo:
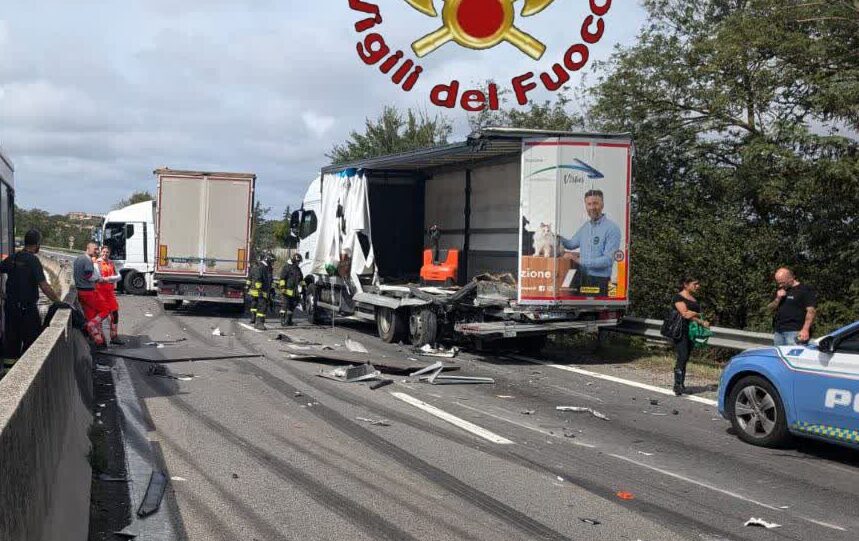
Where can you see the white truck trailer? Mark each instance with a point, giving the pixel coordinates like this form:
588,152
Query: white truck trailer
532,231
203,236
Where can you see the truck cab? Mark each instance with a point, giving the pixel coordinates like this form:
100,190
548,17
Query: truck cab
130,234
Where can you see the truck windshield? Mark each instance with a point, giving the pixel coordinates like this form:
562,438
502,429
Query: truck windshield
114,237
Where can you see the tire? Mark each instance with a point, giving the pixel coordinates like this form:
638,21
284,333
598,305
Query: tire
134,283
170,306
311,307
423,327
757,413
391,324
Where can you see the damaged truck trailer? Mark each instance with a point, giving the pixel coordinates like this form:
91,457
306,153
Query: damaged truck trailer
510,234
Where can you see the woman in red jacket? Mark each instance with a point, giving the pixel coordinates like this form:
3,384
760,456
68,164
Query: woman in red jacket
107,290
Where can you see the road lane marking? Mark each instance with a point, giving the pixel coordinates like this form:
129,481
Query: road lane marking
523,425
452,419
614,379
248,327
724,491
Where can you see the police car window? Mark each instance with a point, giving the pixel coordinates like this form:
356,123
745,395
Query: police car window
849,345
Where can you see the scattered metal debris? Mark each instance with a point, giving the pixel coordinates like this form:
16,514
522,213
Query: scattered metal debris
176,478
654,402
110,479
355,346
154,493
352,374
431,368
381,383
761,523
675,412
148,315
578,409
527,412
235,476
591,521
429,351
645,454
504,396
568,433
374,422
436,379
298,393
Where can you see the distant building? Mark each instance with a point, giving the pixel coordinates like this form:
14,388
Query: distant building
82,216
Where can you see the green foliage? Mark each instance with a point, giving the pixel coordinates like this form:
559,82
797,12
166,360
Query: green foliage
55,228
741,167
392,133
136,197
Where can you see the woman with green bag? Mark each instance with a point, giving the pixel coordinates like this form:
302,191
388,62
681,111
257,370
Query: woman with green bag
690,310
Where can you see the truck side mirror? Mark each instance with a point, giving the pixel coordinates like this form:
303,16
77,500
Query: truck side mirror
295,222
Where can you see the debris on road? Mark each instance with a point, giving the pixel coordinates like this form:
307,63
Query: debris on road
352,373
504,396
761,523
654,402
438,365
625,495
579,409
218,332
675,412
436,379
127,533
148,315
568,433
645,454
591,521
374,422
154,493
355,346
527,412
429,351
235,476
110,479
177,478
298,393
381,383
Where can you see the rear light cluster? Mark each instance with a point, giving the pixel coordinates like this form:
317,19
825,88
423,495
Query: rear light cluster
234,293
167,290
608,315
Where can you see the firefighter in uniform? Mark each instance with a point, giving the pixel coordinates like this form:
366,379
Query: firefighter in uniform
290,280
260,287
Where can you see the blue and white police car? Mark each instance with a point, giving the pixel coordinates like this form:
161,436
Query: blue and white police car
806,390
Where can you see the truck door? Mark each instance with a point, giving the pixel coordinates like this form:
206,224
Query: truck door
135,245
227,226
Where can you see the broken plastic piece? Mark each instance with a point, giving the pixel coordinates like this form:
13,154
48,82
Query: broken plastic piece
374,422
436,366
381,383
217,332
527,412
355,346
429,351
579,409
154,493
591,521
761,523
625,495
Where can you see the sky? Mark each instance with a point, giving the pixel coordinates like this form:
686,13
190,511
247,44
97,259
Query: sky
96,94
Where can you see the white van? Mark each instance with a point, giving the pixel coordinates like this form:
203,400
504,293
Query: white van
130,233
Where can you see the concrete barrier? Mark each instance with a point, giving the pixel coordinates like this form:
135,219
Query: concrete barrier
45,415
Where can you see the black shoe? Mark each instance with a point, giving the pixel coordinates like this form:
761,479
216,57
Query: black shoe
679,389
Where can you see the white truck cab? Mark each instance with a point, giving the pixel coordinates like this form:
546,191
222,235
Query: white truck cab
306,223
130,233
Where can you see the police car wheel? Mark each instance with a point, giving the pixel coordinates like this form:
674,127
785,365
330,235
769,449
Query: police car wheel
756,412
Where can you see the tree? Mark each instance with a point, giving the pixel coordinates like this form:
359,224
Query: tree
391,133
134,198
735,106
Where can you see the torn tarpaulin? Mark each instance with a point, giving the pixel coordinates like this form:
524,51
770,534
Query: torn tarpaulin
578,409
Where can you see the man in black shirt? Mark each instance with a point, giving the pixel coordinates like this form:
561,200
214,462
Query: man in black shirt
795,307
22,323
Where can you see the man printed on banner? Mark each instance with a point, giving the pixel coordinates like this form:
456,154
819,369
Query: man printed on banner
598,240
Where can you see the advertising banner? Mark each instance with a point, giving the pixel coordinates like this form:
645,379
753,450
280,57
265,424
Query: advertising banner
575,221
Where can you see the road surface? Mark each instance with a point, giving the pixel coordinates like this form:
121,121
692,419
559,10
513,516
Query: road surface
261,448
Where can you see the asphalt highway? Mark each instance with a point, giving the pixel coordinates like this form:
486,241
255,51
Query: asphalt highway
262,448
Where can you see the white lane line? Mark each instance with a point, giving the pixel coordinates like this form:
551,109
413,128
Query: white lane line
523,425
452,419
248,327
723,491
606,377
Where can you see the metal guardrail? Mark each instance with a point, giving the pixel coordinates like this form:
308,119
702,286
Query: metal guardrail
722,336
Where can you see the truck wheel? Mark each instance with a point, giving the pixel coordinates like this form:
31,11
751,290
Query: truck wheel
391,324
134,283
311,306
423,326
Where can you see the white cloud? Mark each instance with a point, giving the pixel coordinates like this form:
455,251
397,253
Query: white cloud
317,124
